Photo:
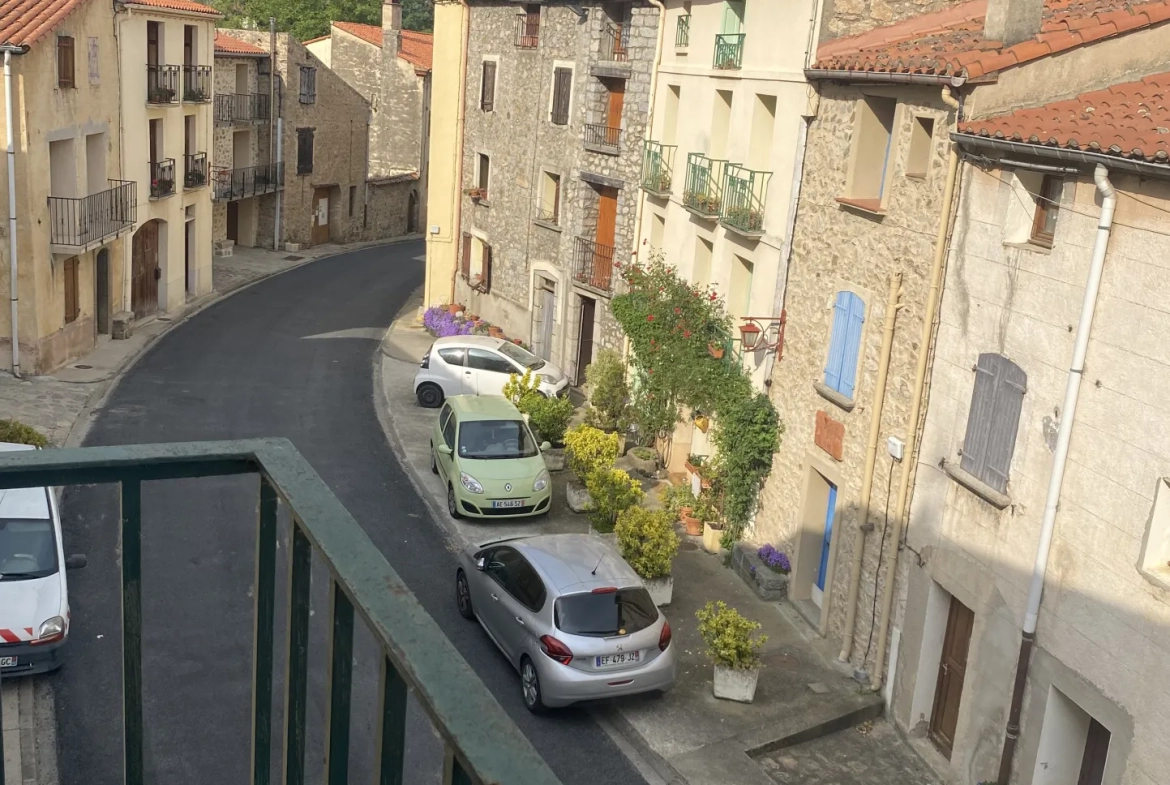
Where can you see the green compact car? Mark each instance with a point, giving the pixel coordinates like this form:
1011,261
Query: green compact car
489,459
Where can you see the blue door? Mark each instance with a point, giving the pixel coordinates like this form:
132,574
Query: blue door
828,537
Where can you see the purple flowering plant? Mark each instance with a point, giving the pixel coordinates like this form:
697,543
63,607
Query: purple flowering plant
441,323
775,560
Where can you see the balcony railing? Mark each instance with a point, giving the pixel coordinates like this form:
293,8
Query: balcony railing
236,108
600,137
195,170
682,32
196,84
77,224
527,30
744,192
728,51
162,84
615,41
234,184
593,265
703,190
162,178
414,657
658,168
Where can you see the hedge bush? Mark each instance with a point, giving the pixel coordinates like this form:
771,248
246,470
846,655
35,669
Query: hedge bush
588,450
647,541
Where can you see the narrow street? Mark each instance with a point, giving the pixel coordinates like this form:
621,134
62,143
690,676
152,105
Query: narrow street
292,357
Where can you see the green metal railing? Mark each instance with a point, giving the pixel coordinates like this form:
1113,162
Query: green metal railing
728,51
703,190
482,743
682,32
658,167
744,192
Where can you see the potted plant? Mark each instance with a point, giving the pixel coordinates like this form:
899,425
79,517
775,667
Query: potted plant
712,527
715,350
644,461
495,332
613,492
774,560
477,194
733,644
702,422
648,543
454,308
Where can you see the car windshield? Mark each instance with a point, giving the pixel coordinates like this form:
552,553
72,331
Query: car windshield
27,549
496,439
621,612
522,356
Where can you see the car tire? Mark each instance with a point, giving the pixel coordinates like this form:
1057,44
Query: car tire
530,687
463,596
430,396
452,502
434,463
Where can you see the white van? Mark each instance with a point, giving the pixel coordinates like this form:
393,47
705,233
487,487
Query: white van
34,600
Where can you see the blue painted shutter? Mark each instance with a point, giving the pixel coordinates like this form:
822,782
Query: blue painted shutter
994,419
830,511
837,342
856,318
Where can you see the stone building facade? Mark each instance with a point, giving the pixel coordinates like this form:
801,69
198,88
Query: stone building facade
561,167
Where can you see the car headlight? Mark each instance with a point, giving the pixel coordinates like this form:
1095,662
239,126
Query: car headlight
51,630
544,377
470,483
541,481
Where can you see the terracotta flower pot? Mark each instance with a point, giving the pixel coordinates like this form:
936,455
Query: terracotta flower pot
693,524
715,351
454,308
495,332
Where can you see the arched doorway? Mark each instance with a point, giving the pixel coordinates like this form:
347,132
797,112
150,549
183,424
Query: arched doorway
101,291
144,270
412,213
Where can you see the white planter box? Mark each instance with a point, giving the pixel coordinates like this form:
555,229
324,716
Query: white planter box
736,685
711,538
661,590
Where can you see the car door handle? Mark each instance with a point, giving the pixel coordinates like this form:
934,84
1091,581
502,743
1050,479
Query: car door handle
494,597
520,621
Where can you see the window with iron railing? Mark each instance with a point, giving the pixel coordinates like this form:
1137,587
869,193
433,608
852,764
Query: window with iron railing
162,178
682,31
528,27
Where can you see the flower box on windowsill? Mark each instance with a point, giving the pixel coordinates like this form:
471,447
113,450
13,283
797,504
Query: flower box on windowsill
477,194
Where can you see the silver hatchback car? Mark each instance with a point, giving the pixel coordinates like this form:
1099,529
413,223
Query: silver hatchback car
569,614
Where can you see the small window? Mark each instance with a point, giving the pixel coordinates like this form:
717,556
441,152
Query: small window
530,26
562,95
453,356
487,92
481,279
65,61
870,155
993,420
308,84
72,298
305,150
449,432
485,360
845,344
1047,209
921,136
516,576
483,174
352,200
550,199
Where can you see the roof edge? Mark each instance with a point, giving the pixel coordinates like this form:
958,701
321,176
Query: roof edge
154,9
951,80
1083,157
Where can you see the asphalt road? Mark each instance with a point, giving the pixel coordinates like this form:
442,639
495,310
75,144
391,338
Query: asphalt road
248,367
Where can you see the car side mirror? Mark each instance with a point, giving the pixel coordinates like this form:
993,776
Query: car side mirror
545,446
481,564
444,449
76,561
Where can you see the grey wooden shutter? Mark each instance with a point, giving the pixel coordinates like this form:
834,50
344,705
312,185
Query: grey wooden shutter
465,262
994,420
487,98
562,90
485,284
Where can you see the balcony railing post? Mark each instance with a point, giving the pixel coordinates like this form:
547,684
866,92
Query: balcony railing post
265,607
132,630
391,751
296,677
340,687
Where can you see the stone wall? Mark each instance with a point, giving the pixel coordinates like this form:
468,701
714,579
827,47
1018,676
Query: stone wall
850,17
356,61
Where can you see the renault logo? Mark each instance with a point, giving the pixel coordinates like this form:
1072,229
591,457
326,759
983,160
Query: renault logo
508,487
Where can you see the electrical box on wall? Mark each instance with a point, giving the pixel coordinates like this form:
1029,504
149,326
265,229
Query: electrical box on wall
896,448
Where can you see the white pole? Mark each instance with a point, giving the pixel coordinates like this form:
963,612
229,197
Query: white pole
13,278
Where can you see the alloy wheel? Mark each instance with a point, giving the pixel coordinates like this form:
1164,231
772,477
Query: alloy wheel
531,684
463,596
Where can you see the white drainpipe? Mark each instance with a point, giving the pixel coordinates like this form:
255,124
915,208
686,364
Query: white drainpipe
13,278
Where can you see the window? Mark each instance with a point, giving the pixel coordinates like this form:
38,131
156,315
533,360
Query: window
476,264
188,44
485,360
1155,558
65,61
487,88
483,279
701,268
465,260
1047,209
352,199
606,613
657,230
453,356
528,36
720,124
483,171
72,299
449,430
993,420
1074,745
304,150
550,199
763,124
154,40
845,344
670,114
870,154
516,576
562,95
918,158
739,297
308,84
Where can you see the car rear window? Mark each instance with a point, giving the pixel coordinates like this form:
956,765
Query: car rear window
620,612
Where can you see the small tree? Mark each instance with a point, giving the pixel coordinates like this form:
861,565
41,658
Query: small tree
731,639
589,450
16,432
608,392
549,416
647,541
613,491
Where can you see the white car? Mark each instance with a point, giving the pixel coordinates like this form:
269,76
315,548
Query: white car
479,365
34,600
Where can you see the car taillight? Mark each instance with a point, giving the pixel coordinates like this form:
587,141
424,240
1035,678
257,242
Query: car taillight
426,360
555,649
664,636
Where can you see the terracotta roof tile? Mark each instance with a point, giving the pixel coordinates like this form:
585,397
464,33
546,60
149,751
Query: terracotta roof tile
315,40
415,48
188,6
368,33
24,22
225,44
941,42
1130,120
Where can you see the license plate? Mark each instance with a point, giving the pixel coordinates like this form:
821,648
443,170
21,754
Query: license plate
7,662
508,503
610,660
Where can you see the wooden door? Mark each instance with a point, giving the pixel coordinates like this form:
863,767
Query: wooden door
144,271
1096,753
613,109
152,36
233,222
101,291
604,238
952,668
585,338
187,238
320,232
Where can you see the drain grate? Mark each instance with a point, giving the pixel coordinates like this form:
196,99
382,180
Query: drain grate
293,258
84,367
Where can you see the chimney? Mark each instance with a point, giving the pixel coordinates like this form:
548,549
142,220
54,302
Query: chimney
391,27
1012,21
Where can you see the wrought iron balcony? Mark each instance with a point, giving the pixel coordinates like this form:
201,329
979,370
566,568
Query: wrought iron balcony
415,657
593,264
162,84
658,168
234,184
79,224
703,190
600,138
744,192
241,108
162,178
527,30
682,32
195,170
196,84
615,40
728,51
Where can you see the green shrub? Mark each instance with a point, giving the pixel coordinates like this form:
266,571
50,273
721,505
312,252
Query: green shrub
731,639
647,541
644,454
675,497
609,394
522,390
613,493
17,432
550,416
588,450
